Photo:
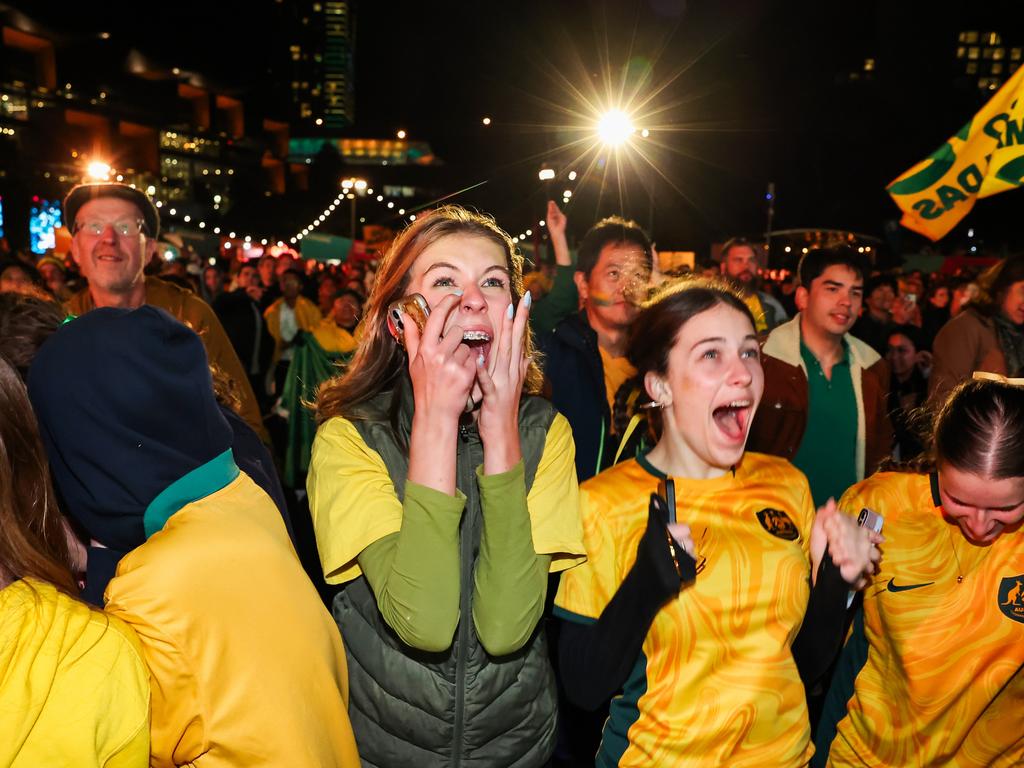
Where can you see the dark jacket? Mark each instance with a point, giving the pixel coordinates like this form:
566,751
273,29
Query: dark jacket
874,332
134,370
243,322
781,418
903,399
458,707
197,315
575,375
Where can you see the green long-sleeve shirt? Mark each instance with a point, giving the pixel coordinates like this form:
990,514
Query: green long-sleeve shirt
414,573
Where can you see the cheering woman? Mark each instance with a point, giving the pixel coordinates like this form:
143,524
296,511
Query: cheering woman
443,492
690,611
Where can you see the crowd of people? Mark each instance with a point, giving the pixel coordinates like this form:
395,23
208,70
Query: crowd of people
438,509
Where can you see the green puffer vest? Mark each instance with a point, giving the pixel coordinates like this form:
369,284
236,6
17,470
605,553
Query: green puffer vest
460,707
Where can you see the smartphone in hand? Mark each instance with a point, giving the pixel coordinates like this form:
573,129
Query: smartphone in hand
414,306
870,519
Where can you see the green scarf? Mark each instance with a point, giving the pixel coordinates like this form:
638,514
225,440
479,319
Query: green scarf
311,365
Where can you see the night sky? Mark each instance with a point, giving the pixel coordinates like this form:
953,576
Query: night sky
737,94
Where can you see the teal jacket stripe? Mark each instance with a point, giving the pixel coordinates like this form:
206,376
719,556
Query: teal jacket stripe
624,711
851,662
205,479
561,613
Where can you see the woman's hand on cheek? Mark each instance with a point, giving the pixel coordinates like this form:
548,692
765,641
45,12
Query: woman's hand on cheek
442,368
501,382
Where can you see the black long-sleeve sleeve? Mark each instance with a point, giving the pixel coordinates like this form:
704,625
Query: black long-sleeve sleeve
595,659
821,634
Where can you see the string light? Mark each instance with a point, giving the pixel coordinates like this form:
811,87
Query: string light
187,218
349,187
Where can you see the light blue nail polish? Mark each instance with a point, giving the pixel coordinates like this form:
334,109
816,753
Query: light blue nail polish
528,299
509,312
457,292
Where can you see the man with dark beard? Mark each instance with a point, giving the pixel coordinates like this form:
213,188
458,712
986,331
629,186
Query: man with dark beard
740,264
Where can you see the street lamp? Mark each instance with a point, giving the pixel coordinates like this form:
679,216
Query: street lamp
97,170
350,186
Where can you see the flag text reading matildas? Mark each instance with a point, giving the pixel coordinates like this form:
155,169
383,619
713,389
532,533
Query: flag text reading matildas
983,158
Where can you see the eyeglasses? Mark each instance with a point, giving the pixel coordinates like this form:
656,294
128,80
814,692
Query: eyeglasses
124,228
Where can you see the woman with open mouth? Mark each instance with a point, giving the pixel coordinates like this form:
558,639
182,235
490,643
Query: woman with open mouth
701,560
443,492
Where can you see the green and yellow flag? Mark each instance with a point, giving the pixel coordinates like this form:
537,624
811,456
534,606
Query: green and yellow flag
985,157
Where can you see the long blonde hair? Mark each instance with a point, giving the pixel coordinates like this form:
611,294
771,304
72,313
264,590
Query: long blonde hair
380,361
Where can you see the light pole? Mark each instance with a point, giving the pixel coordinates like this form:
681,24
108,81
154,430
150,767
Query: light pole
351,187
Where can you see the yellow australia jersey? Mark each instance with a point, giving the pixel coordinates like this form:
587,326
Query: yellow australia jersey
754,303
74,688
715,683
941,663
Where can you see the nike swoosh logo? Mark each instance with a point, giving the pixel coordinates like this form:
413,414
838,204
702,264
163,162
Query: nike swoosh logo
893,588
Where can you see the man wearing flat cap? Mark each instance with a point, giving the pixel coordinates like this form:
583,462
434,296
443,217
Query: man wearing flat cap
114,229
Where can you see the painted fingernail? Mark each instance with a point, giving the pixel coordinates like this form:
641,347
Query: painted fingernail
480,360
457,292
509,312
528,299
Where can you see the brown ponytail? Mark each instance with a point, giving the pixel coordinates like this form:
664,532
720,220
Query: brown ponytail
32,537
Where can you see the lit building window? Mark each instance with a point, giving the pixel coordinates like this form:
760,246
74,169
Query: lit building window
992,38
973,53
972,68
998,54
970,37
869,65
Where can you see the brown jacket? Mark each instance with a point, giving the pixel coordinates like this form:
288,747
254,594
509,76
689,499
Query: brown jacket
965,344
781,418
197,315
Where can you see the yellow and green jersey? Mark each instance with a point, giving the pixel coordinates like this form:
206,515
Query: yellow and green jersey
933,672
715,683
753,302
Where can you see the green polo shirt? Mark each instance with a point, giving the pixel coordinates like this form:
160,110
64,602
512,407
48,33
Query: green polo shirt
828,451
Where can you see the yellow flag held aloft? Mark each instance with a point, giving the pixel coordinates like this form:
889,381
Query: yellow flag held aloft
985,157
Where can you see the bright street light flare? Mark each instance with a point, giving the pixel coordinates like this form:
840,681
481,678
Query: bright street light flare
615,127
98,170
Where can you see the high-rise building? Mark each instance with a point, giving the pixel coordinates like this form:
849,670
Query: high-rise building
321,42
986,57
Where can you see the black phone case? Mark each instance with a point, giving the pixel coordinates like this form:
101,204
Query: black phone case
667,491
